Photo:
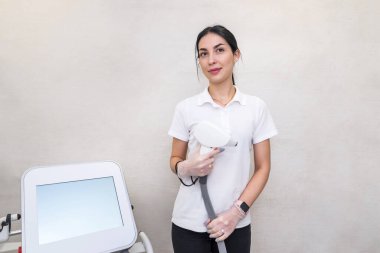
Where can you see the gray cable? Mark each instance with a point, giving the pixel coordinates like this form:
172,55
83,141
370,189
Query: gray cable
210,209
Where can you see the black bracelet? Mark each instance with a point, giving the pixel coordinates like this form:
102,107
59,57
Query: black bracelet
176,167
176,172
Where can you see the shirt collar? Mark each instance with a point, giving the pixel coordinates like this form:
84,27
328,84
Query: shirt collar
205,97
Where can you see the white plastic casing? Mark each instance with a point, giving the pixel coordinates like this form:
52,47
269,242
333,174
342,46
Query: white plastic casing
109,240
211,136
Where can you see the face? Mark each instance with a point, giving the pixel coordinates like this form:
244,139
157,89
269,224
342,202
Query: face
216,58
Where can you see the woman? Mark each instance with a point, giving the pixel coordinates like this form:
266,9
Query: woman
232,191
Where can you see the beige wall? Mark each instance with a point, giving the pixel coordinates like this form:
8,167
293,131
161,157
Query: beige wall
98,80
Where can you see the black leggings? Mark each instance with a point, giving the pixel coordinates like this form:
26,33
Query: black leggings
187,241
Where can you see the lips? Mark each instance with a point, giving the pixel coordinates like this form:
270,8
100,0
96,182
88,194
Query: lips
214,71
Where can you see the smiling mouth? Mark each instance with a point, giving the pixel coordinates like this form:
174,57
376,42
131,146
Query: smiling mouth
214,71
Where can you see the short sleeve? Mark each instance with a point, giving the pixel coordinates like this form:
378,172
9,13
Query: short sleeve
264,125
178,127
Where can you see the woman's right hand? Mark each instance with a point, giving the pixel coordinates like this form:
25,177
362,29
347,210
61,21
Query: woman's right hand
197,164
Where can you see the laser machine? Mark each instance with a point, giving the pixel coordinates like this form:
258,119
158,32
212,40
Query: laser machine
75,208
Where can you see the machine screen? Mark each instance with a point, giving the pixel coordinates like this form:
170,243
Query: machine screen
71,209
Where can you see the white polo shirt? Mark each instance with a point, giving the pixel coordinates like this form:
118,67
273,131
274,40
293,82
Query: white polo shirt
248,121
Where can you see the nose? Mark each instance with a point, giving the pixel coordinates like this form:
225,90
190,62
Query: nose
211,59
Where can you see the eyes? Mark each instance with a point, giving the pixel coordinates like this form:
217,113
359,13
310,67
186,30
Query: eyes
204,53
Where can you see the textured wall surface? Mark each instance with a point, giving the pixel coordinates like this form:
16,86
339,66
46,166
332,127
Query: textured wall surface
98,80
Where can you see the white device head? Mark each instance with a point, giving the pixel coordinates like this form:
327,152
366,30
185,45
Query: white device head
76,208
211,136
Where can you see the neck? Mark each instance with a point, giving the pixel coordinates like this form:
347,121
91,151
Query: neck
222,94
221,90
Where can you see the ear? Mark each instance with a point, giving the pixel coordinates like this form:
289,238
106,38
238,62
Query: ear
237,55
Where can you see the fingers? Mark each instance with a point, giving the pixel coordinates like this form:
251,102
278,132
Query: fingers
213,152
220,228
214,226
207,222
208,163
206,166
203,164
204,171
208,158
219,234
223,237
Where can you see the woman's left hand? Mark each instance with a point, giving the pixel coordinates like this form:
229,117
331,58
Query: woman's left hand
223,225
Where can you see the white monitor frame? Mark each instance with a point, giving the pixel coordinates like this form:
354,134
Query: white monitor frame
110,240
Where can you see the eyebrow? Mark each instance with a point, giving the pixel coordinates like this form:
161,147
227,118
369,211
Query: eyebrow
204,49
